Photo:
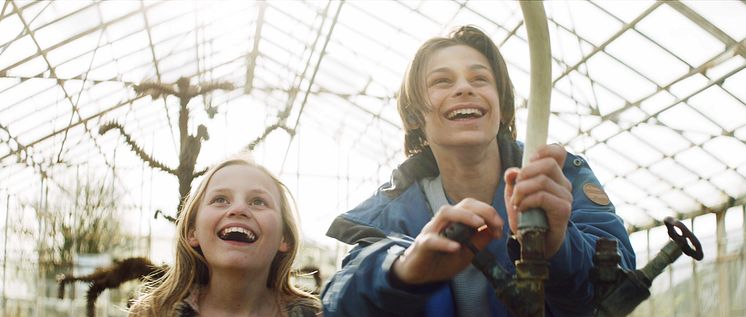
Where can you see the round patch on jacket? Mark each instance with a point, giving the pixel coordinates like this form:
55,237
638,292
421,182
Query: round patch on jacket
595,194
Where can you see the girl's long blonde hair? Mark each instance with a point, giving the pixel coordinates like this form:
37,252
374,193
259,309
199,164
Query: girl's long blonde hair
190,267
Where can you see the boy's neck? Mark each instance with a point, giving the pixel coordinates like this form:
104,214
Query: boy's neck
471,172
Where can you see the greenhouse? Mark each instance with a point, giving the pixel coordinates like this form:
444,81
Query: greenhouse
111,113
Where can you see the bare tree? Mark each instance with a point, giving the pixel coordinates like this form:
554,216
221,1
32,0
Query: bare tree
190,144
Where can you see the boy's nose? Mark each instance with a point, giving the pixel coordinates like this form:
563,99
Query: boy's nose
463,87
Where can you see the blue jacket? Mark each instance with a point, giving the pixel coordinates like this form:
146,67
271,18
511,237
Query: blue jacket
384,225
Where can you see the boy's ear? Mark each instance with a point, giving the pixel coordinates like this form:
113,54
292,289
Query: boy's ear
192,239
412,122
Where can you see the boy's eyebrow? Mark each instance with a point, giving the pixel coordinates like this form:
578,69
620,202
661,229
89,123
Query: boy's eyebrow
439,70
478,67
446,69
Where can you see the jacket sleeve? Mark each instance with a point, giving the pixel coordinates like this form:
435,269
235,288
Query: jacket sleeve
569,290
362,286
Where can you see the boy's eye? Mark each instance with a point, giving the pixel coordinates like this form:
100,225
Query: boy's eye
482,78
438,81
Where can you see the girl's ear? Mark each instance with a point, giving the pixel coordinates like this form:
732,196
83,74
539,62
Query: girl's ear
284,246
192,239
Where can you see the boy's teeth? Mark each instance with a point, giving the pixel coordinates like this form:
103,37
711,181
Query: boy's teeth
473,112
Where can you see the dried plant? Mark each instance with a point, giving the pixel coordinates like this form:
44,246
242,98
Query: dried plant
190,144
86,222
111,277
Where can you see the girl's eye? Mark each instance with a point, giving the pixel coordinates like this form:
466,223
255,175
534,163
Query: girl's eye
257,202
219,200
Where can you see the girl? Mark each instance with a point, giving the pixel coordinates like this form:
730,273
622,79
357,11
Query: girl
237,238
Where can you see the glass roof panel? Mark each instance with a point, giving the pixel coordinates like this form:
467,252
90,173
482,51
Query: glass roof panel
731,84
588,21
683,118
720,107
627,11
700,162
622,81
680,35
605,130
724,16
650,93
16,51
672,172
625,190
442,11
643,155
678,201
651,184
705,192
723,69
630,117
612,158
609,102
730,182
727,149
644,56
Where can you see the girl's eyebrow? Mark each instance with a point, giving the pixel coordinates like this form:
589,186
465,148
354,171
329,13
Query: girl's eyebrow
254,191
218,190
259,190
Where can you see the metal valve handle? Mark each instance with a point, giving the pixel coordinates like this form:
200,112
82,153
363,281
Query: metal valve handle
681,239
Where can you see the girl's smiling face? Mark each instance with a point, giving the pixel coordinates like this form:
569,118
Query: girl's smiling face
239,222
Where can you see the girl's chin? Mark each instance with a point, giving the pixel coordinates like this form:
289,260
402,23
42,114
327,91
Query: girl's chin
247,265
235,259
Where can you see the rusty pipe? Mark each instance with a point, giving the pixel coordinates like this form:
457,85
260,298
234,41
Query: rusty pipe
618,292
532,269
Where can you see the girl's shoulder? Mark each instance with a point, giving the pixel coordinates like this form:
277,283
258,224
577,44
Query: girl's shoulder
303,307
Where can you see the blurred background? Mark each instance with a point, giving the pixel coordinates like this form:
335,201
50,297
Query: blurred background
96,136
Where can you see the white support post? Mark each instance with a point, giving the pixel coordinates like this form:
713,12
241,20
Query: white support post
722,266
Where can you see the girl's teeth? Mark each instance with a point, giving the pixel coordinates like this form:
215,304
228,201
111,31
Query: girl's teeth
237,234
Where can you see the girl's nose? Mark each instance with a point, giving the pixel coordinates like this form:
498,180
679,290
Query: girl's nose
240,209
